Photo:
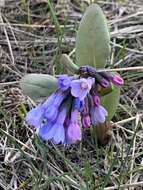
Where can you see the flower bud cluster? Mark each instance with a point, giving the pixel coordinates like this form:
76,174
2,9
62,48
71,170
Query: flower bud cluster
77,97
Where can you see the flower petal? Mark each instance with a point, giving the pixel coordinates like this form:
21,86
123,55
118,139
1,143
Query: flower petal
51,113
35,116
90,82
59,135
49,101
64,82
75,88
50,132
73,133
80,87
59,98
99,114
62,116
43,131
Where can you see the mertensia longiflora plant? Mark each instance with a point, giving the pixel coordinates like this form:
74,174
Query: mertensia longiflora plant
87,98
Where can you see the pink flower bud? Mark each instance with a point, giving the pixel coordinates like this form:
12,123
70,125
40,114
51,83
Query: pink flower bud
117,80
96,100
85,120
105,83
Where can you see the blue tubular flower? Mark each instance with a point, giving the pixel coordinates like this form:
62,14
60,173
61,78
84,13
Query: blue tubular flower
51,111
47,110
54,131
64,82
81,87
35,116
50,100
43,131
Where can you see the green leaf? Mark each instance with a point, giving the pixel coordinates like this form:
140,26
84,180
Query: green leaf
92,41
68,63
38,85
111,101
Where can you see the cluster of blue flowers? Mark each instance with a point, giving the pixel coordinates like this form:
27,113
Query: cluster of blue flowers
57,119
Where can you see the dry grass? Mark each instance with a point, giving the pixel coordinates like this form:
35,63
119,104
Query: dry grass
31,37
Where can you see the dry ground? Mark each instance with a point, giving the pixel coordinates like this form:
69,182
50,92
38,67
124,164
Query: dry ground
31,38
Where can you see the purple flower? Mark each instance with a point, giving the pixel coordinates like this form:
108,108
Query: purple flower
98,114
81,87
58,115
35,116
64,82
73,131
54,131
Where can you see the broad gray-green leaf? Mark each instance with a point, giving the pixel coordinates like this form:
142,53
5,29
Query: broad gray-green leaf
92,40
38,85
111,101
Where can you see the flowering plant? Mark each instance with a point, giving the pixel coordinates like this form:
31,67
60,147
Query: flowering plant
89,94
